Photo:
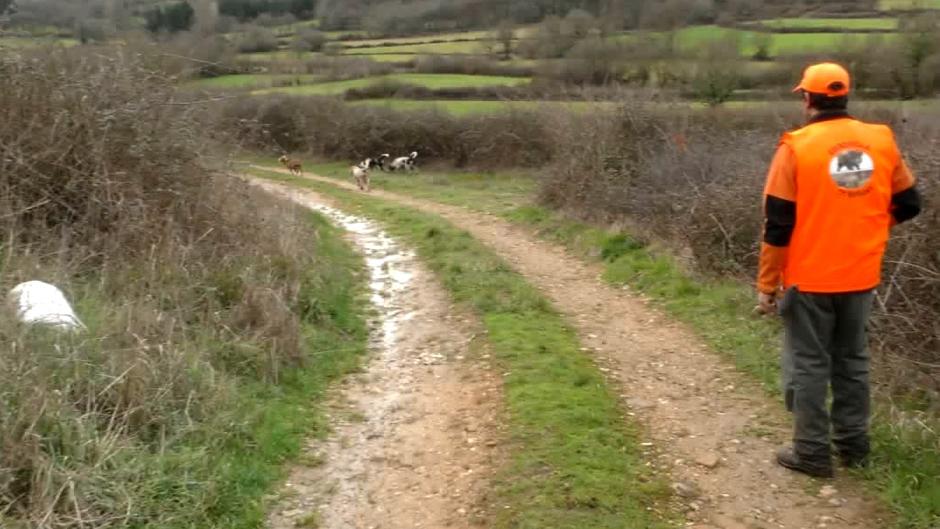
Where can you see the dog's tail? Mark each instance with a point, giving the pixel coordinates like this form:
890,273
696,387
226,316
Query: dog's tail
413,155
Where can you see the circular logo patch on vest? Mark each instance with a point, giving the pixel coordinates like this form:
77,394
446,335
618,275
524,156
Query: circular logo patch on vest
851,168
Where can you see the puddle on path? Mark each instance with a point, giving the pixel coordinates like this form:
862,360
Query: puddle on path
416,435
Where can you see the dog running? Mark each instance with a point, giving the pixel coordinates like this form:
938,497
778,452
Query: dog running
294,166
404,163
360,173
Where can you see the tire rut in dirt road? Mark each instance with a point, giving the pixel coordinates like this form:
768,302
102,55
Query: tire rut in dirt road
415,436
711,427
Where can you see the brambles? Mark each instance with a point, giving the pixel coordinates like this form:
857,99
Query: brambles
702,194
194,304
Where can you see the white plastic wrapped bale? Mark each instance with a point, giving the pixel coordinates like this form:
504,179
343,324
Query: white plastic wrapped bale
39,303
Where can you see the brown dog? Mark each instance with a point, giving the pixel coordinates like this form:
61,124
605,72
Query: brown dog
294,166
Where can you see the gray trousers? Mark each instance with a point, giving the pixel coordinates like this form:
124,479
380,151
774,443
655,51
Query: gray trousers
825,344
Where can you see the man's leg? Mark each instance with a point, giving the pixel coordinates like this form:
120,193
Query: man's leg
851,404
809,320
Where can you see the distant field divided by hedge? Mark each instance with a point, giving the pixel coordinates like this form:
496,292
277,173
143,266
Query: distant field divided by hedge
433,81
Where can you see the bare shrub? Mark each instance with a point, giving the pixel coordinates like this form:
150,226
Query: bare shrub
335,68
333,48
189,55
186,291
549,41
271,21
309,39
696,181
469,65
344,67
327,127
590,61
257,39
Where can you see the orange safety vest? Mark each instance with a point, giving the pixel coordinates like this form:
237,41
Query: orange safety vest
843,205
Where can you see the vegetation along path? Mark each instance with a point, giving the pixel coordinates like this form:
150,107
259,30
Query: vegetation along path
415,433
710,427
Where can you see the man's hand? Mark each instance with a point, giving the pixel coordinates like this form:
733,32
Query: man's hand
766,303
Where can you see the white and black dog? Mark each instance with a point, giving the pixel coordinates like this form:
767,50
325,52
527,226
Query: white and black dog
369,163
360,173
382,162
404,163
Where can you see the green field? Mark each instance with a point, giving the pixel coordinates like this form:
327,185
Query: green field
466,35
471,107
908,4
280,55
489,192
844,23
33,42
686,40
233,82
474,107
427,80
385,57
695,38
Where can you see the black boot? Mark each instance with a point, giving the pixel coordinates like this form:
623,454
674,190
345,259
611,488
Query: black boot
850,460
787,458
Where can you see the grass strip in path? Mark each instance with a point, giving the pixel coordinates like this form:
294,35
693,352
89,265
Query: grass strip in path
906,461
576,461
906,464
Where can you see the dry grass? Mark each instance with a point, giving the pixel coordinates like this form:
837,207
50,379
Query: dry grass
187,292
703,194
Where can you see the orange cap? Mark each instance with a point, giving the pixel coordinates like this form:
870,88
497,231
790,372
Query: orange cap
826,78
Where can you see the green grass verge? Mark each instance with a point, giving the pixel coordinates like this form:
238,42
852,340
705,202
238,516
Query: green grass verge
906,465
575,461
219,481
427,80
906,462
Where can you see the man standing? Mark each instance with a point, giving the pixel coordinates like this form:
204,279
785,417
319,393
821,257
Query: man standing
834,189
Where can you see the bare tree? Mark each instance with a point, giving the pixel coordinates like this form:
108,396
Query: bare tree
5,5
207,16
920,40
504,36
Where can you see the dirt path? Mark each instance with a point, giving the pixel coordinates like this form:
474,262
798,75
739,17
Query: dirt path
415,435
709,426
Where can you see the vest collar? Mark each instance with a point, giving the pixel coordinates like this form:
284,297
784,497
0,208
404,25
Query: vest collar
828,115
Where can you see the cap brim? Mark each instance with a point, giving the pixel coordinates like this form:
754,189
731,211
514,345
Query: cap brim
798,88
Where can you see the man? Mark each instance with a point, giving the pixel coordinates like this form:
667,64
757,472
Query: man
834,189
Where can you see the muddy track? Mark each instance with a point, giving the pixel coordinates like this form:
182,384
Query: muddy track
415,435
712,428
